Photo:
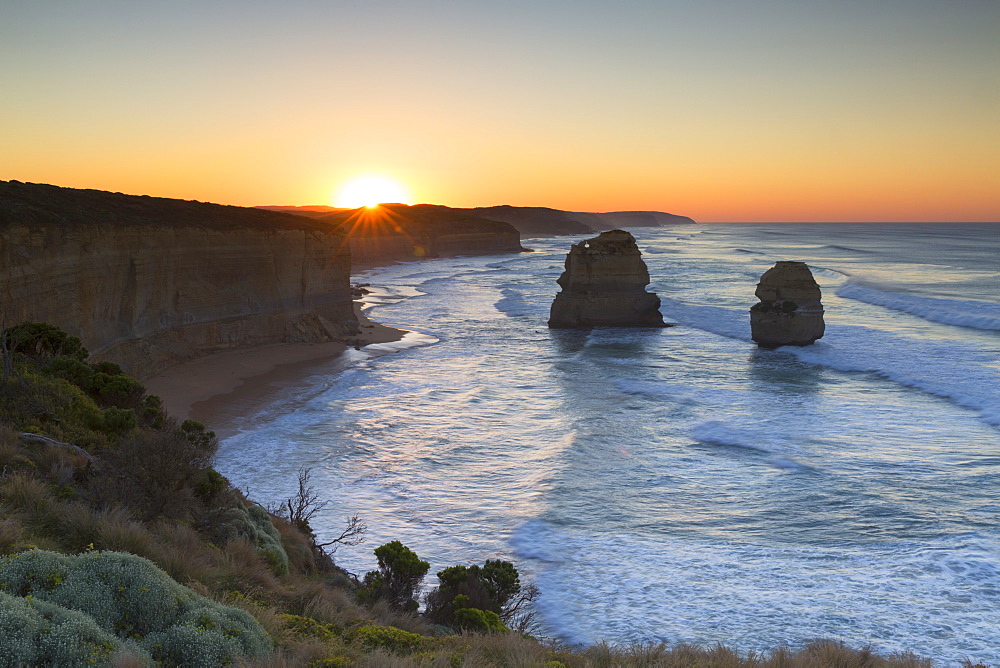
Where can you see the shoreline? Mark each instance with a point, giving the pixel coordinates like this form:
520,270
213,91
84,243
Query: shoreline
219,390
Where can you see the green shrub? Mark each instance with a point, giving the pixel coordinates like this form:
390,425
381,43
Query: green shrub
152,411
474,619
307,626
36,632
121,390
195,432
42,403
129,597
118,421
477,598
398,578
267,539
71,369
209,483
109,368
254,523
388,638
41,340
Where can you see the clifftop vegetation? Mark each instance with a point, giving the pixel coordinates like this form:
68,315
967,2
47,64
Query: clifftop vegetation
121,545
37,203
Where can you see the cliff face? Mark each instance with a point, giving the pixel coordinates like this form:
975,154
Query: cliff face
604,285
149,282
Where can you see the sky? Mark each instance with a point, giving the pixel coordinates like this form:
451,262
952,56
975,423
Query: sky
757,110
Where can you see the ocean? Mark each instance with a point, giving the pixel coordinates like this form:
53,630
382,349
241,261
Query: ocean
681,484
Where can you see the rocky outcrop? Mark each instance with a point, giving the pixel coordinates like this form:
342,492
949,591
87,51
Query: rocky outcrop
789,312
149,282
391,232
604,285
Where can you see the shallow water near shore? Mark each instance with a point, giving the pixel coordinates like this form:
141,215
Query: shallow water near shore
681,484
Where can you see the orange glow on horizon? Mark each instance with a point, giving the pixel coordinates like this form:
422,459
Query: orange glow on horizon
370,191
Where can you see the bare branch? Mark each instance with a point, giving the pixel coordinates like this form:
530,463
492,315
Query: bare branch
302,507
353,534
519,614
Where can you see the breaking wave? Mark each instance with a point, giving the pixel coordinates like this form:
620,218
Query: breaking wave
975,314
960,373
690,590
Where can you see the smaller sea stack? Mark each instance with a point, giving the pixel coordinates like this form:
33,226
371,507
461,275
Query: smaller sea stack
789,312
604,285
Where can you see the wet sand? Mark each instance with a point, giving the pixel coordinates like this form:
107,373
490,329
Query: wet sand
218,390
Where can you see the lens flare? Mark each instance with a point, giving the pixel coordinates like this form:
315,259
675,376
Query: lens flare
371,191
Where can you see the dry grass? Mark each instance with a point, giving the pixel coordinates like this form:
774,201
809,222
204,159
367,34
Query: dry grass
382,659
183,555
316,600
501,649
301,558
11,533
29,495
243,569
112,528
301,654
9,448
818,654
407,621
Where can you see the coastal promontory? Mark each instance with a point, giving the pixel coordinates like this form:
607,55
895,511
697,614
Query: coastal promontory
148,282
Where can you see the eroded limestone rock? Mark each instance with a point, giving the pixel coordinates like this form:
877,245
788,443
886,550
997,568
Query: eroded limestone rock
789,312
604,285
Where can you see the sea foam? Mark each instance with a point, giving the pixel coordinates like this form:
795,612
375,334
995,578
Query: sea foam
975,314
962,373
673,590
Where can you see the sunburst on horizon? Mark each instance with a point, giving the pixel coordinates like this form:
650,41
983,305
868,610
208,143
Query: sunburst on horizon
370,191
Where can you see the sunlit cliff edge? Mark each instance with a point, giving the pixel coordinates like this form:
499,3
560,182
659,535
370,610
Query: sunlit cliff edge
529,221
148,282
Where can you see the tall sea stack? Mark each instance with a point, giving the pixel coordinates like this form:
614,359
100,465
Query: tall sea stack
789,312
604,285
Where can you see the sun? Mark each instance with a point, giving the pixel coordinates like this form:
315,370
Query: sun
370,191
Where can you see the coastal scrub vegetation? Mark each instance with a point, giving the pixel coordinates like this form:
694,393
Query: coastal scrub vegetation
121,545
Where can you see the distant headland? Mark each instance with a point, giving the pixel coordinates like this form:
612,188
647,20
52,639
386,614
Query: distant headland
529,221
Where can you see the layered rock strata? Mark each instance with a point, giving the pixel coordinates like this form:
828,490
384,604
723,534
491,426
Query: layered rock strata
150,282
604,285
789,312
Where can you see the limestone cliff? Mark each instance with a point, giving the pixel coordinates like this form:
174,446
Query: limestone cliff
149,282
604,285
789,312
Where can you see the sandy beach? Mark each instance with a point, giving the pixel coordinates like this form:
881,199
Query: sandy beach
219,389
